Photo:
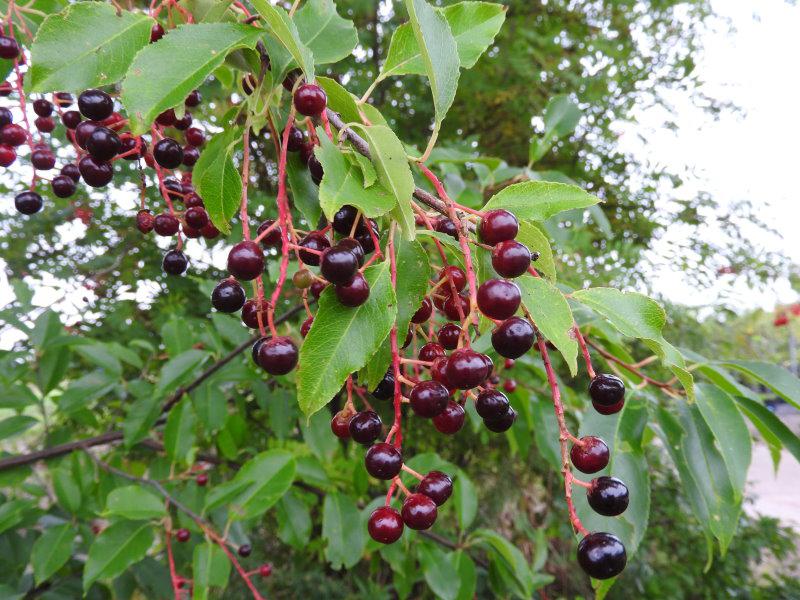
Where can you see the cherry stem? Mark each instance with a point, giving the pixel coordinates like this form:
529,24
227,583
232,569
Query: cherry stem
245,179
401,486
398,397
173,574
582,484
408,469
585,351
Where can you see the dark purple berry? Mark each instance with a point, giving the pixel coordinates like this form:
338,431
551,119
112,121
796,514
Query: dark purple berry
228,296
602,555
383,461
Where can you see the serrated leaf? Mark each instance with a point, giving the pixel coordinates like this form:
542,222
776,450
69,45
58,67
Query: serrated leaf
342,530
51,551
164,73
329,37
179,432
536,241
210,567
540,200
340,100
135,502
217,181
440,574
552,315
115,549
294,521
342,339
285,31
87,45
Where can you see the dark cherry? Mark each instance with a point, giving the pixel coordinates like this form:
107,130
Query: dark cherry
174,188
45,124
156,32
315,169
175,262
466,369
306,326
340,425
447,227
385,388
43,160
128,147
145,221
103,144
7,155
451,420
63,186
456,307
608,496
317,286
498,298
602,555
201,480
196,217
256,347
265,570
193,99
9,48
63,99
424,312
501,423
429,399
491,404
245,550
190,156
195,137
431,351
278,356
72,171
306,152
273,238
354,246
42,107
365,427
511,259
509,385
313,241
166,224
5,89
591,455
338,265
95,105
296,140
83,130
209,231
344,218
250,314
166,118
439,372
513,337
6,117
366,239
448,336
228,296
419,511
498,226
437,486
383,461
310,100
385,525
608,410
290,79
168,153
182,535
184,122
456,275
246,261
192,200
28,203
354,293
607,390
13,135
95,173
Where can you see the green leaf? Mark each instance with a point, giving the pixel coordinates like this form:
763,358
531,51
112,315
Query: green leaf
294,521
87,45
258,485
540,200
51,551
115,549
342,339
775,377
545,430
15,425
340,100
100,354
329,37
759,413
177,370
343,183
636,315
52,366
285,31
66,487
164,73
474,26
504,555
135,502
467,574
210,567
304,191
179,433
217,181
465,498
342,530
552,315
561,116
394,173
439,55
440,574
536,241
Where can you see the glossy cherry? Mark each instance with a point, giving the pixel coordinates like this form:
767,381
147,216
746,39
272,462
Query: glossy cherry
608,496
451,420
491,404
7,155
310,100
103,144
168,153
166,224
498,298
250,312
338,265
196,217
95,105
513,337
278,356
71,119
602,555
95,173
245,550
354,293
28,203
365,427
466,369
424,312
354,246
13,135
246,261
175,262
501,423
429,399
72,171
511,259
145,221
419,511
228,296
385,525
9,48
385,388
607,390
431,351
313,241
63,186
437,486
340,424
383,461
273,238
498,226
448,336
591,455
456,275
315,169
182,535
195,136
447,227
43,159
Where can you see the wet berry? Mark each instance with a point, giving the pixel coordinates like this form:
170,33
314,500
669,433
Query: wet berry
590,456
246,261
95,105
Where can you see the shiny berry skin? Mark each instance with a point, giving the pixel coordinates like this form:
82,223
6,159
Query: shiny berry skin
256,347
175,262
166,118
166,224
429,399
498,298
195,136
250,314
466,369
365,238
437,486
95,173
383,461
44,160
6,116
302,279
456,275
306,152
145,221
424,312
448,336
9,48
95,105
491,404
431,351
338,265
265,570
310,100
456,308
103,144
439,372
451,420
44,124
156,32
385,525
502,423
419,511
168,153
278,356
296,140
385,388
228,296
315,169
72,171
354,246
340,425
608,410
196,217
71,119
313,241
63,99
354,293
184,122
447,227
63,186
192,200
193,99
607,390
498,226
344,219
7,155
509,385
608,496
245,550
306,326
83,131
317,287
190,156
42,107
28,203
182,535
273,238
209,231
13,135
201,480
365,427
513,337
511,259
590,456
246,261
602,555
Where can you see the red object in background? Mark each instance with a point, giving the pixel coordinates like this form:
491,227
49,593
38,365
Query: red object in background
781,320
795,308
